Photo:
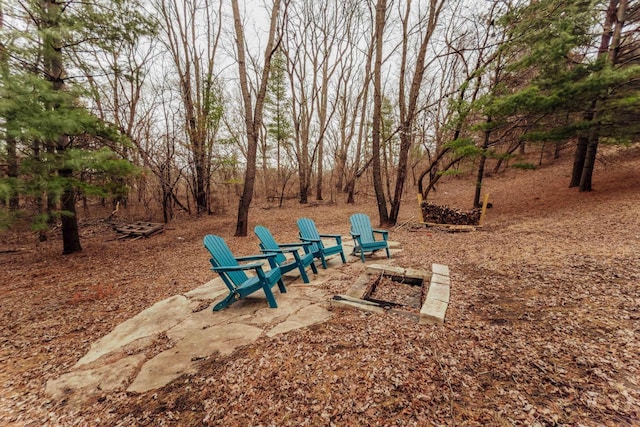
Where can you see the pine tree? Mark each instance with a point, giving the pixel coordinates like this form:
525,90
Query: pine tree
61,141
278,109
569,55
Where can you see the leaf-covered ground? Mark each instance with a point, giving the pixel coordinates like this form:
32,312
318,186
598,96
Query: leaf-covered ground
543,326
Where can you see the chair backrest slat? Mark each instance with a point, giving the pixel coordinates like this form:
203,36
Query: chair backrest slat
361,224
308,230
268,242
221,256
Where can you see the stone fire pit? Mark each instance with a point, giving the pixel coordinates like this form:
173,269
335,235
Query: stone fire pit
432,291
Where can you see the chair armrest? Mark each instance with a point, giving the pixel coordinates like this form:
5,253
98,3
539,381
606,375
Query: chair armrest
380,231
338,237
293,245
251,266
310,240
292,249
279,250
283,250
265,255
354,234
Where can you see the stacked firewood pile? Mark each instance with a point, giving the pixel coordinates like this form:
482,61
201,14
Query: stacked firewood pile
436,214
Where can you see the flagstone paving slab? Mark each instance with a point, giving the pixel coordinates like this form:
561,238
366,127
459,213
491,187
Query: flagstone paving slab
157,318
200,343
77,384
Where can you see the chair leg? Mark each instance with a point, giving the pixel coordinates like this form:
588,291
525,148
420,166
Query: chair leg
283,289
388,254
270,298
323,261
313,267
361,254
344,260
230,299
303,273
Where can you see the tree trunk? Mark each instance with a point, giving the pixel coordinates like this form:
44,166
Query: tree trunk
405,145
320,170
167,211
202,205
304,194
12,171
350,189
166,183
483,160
381,9
322,118
54,68
264,167
69,219
252,114
581,150
590,160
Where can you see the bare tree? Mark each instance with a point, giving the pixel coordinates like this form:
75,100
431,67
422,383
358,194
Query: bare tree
253,112
193,30
314,43
121,95
352,112
470,49
355,81
327,49
409,101
296,35
380,20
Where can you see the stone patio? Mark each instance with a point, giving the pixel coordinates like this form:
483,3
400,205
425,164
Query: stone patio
167,340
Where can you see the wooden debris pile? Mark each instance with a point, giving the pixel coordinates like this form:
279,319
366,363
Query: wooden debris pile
138,229
436,214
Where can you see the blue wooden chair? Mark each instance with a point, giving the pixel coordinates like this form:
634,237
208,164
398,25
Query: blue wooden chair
364,238
233,274
300,261
309,233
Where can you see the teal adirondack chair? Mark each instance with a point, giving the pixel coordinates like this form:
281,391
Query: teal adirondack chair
364,238
300,260
233,274
309,233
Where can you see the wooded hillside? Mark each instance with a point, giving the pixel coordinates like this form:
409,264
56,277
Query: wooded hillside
154,109
542,326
